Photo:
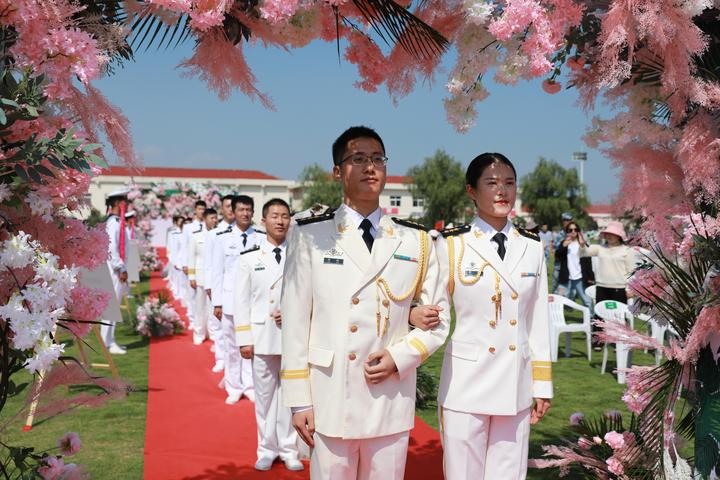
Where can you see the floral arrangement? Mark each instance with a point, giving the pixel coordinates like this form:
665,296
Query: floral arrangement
150,261
157,318
47,465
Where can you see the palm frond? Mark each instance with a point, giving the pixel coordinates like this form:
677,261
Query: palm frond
396,25
148,24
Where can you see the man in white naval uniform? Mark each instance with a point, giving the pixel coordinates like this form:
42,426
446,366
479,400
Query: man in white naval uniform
173,247
348,356
258,321
116,263
187,231
196,274
214,325
229,244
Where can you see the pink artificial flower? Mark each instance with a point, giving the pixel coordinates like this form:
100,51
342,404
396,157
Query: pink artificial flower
584,443
576,418
615,440
597,440
575,63
615,466
69,444
551,86
52,468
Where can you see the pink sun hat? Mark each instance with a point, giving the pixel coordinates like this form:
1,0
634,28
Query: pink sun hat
616,228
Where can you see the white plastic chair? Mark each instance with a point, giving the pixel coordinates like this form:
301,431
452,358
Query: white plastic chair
658,333
556,309
613,311
591,292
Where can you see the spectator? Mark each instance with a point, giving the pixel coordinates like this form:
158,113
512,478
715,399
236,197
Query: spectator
546,237
575,273
616,263
559,238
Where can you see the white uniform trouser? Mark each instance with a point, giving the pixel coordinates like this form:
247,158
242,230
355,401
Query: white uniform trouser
486,447
215,331
200,320
107,332
276,435
379,458
238,371
187,295
174,283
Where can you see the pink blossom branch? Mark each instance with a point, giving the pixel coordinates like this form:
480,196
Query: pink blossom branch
614,332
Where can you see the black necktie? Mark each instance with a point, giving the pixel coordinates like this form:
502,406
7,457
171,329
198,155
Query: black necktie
244,235
277,254
499,238
365,226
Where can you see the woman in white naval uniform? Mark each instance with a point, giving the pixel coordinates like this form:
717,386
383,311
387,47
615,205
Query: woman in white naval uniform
496,377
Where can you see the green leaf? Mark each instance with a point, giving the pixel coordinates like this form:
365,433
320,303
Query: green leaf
3,117
97,160
32,111
45,171
22,173
9,102
35,175
91,146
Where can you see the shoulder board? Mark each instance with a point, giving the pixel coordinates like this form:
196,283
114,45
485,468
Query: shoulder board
176,232
315,219
528,234
449,232
227,230
408,223
260,232
253,249
198,230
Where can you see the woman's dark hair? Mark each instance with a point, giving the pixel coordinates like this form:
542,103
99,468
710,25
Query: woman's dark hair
483,161
339,147
567,227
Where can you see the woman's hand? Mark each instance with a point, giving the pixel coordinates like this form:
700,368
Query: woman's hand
425,317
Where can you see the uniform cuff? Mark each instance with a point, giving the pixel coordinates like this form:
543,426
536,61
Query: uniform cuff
243,335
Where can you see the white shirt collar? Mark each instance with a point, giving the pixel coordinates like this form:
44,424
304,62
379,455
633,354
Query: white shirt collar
356,218
249,231
270,247
487,229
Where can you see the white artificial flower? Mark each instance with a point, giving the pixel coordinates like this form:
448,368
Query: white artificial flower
478,12
5,192
455,86
40,205
693,8
17,252
677,471
45,355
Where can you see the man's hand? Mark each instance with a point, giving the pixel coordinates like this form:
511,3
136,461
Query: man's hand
277,316
123,277
247,351
217,311
379,366
304,423
209,292
193,284
185,270
542,405
425,317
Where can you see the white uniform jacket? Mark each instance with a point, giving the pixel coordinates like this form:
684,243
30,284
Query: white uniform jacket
498,358
226,250
339,305
187,232
112,228
207,257
258,287
196,255
174,246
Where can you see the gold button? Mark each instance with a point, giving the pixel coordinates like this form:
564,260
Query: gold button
353,329
355,301
491,349
493,323
386,303
514,296
513,322
512,348
352,356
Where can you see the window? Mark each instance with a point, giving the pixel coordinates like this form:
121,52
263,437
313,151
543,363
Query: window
418,202
394,200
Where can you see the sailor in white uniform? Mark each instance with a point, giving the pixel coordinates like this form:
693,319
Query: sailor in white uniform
229,244
196,274
114,226
187,231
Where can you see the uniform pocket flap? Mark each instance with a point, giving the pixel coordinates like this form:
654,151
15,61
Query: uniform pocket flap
258,320
320,357
467,351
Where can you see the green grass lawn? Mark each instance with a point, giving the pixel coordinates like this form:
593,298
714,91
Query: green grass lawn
578,386
113,435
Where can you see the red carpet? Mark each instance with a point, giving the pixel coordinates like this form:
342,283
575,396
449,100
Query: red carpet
192,435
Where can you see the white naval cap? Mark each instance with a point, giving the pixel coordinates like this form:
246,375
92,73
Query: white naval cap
130,214
123,192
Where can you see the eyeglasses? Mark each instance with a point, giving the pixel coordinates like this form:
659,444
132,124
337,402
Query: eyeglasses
359,159
572,229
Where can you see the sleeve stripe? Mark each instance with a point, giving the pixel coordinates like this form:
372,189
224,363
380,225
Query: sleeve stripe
294,374
542,374
542,364
420,347
242,328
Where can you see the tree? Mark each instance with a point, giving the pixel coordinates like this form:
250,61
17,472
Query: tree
440,182
550,189
319,187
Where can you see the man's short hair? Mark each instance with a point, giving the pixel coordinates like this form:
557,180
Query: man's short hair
244,199
200,203
340,145
209,211
226,197
274,201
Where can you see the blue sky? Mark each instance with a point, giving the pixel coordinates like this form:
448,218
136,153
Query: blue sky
176,121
